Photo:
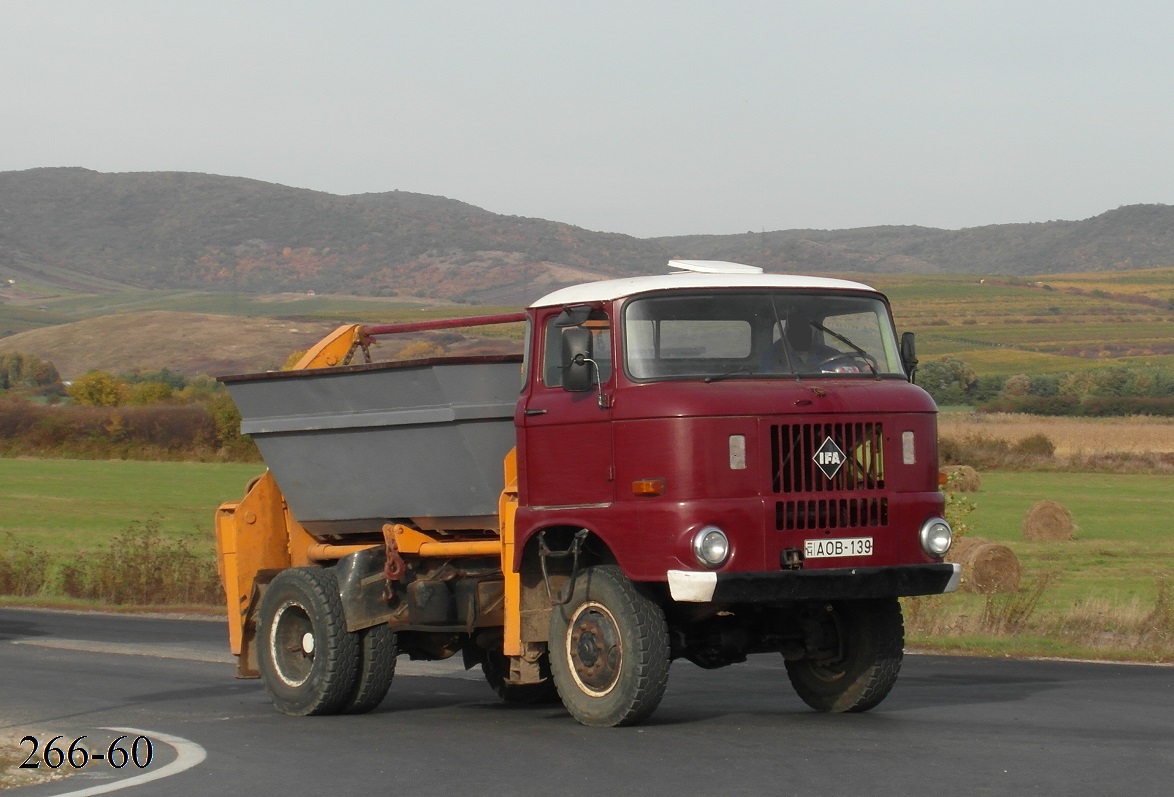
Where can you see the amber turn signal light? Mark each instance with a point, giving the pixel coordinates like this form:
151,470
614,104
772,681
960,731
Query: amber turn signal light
651,487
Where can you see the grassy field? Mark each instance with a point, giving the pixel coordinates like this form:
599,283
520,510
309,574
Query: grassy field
63,506
1071,436
1105,581
1123,542
1060,322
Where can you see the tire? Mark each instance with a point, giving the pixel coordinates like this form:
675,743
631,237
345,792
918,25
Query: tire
495,668
868,640
308,662
377,652
609,650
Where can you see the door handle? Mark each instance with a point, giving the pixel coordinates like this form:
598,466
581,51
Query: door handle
533,412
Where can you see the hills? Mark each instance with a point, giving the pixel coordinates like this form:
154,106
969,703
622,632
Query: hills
206,274
82,231
187,343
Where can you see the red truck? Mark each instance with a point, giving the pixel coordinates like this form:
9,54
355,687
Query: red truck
702,465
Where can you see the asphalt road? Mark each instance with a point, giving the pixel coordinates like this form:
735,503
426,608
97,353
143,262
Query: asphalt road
951,726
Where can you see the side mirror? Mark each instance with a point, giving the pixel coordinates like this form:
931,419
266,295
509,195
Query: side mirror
909,353
573,316
577,359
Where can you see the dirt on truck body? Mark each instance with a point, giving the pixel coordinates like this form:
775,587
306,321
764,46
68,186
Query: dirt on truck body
701,465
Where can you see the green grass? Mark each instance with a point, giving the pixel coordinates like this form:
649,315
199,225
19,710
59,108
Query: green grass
64,506
1002,326
1102,597
1124,543
1104,578
1123,540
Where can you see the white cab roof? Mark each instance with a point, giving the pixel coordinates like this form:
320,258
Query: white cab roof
609,290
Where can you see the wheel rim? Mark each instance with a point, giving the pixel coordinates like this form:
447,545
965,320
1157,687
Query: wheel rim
834,666
594,649
291,644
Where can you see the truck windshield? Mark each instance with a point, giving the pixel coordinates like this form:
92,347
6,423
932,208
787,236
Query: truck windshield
761,334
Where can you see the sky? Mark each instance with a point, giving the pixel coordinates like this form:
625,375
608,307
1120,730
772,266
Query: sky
640,117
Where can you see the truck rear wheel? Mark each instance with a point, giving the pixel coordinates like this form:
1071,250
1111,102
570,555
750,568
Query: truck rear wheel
308,662
858,666
377,652
609,650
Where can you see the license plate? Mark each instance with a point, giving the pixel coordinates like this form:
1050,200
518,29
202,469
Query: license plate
843,546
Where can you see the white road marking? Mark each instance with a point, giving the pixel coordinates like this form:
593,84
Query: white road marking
188,754
133,649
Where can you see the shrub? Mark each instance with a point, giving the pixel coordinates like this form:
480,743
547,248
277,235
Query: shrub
1034,405
1017,386
1009,612
97,389
1036,446
140,568
977,451
24,570
154,432
141,394
420,350
983,451
227,419
958,506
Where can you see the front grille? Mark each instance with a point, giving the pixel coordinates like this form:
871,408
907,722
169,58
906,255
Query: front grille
833,513
793,448
794,470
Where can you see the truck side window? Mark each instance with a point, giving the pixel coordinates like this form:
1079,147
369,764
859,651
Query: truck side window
600,326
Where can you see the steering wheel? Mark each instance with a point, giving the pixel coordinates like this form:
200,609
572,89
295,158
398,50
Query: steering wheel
846,358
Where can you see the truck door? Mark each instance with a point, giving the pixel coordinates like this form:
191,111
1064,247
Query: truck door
566,436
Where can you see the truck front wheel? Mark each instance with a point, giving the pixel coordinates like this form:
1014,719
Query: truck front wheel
859,658
609,650
308,662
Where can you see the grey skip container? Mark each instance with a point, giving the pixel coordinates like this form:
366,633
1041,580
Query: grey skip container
355,446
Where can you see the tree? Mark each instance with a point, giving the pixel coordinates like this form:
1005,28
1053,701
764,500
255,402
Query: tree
26,370
144,393
948,380
1017,386
97,389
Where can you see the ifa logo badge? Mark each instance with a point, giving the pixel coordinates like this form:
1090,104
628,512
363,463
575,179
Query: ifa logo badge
829,458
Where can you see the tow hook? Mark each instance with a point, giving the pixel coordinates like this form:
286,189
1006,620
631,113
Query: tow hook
791,559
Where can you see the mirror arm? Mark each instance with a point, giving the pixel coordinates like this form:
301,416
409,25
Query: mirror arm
601,400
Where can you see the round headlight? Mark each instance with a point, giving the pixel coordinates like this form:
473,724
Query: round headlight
711,546
936,537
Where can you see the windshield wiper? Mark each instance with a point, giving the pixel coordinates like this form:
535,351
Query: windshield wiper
719,377
863,354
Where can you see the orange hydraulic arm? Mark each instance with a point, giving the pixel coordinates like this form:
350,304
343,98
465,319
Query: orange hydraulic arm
339,346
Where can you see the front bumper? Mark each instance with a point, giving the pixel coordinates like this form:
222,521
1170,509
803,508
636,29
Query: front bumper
848,583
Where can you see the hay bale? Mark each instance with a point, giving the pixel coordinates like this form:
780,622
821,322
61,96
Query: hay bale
962,546
987,567
993,568
1048,521
961,478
